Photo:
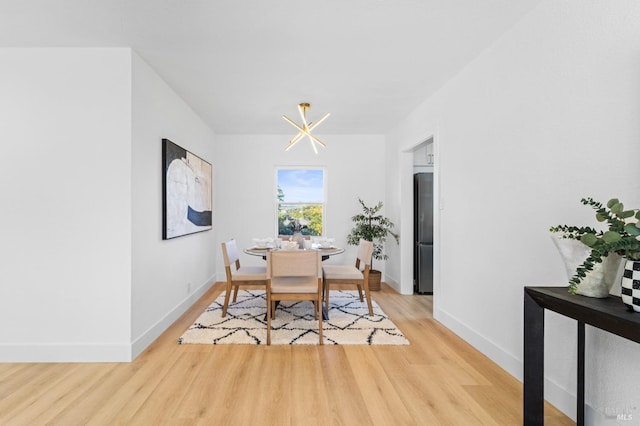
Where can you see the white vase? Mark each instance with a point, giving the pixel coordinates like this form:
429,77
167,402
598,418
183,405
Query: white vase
598,282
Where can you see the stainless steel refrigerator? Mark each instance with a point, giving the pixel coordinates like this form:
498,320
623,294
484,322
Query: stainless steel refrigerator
423,233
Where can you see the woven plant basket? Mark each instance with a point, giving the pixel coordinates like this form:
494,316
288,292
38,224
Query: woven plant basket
374,280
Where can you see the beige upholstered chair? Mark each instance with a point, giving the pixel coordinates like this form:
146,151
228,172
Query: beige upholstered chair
345,274
294,275
239,275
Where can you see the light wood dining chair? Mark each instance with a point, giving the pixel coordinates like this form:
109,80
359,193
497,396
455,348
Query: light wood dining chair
239,275
354,275
294,275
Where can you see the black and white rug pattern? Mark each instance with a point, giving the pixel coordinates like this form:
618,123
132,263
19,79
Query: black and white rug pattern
294,324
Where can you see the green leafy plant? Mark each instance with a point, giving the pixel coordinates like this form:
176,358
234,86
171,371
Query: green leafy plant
373,227
572,232
621,237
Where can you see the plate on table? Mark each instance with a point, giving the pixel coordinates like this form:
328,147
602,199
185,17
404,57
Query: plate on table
260,248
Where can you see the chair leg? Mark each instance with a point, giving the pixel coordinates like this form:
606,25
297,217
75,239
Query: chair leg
226,299
359,292
235,293
367,293
319,316
269,318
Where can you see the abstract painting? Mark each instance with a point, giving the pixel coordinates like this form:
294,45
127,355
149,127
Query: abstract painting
186,192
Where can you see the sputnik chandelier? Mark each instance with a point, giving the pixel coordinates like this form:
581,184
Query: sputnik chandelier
306,128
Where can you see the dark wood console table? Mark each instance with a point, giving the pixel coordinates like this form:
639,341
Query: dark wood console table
608,314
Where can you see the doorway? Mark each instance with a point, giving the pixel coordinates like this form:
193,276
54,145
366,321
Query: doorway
423,206
422,157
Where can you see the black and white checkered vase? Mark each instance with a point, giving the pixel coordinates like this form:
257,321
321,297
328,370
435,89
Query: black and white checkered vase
631,285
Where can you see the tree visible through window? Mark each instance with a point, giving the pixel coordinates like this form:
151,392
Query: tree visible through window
300,195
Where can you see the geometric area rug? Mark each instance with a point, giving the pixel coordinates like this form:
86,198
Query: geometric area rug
294,324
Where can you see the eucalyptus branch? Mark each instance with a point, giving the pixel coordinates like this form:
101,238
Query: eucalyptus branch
572,232
628,247
621,237
614,213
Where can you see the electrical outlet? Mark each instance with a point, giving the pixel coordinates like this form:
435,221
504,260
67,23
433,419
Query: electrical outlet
188,287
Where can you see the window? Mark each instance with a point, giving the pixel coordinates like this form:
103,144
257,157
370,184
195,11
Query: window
300,194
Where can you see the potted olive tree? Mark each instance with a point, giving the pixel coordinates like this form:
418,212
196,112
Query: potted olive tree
372,226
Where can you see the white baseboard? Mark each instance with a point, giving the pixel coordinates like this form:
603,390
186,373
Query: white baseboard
71,352
391,283
561,399
148,337
97,352
556,395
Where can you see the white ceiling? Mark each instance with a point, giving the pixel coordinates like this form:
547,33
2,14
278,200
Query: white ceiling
241,64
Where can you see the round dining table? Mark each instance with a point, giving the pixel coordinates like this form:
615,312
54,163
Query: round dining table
326,252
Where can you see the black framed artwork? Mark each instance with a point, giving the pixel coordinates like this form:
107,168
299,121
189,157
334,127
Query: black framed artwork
186,192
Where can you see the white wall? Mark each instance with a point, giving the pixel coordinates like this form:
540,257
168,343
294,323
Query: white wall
167,276
66,204
245,185
545,116
85,273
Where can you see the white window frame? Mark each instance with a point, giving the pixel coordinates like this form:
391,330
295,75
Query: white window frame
324,195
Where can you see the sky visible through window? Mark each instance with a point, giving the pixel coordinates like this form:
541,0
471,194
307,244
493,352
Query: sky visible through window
301,185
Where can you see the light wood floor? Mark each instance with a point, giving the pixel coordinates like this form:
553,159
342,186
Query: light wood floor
438,379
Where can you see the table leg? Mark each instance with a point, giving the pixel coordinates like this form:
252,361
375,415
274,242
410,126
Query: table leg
581,359
533,392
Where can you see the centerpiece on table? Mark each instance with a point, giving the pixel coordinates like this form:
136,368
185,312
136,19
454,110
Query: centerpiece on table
297,225
373,227
622,238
